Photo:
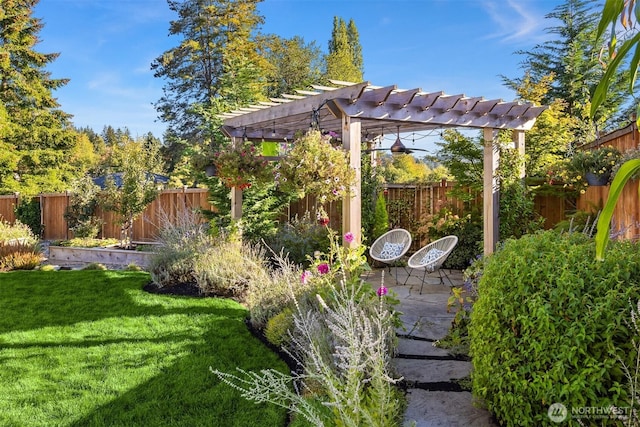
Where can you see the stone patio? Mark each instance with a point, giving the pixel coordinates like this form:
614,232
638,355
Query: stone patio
434,397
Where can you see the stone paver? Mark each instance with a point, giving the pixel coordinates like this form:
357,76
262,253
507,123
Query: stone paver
444,409
425,319
426,371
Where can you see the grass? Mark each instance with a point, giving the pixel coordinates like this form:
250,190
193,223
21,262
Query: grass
91,348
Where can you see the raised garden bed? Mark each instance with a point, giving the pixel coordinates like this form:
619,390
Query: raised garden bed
109,256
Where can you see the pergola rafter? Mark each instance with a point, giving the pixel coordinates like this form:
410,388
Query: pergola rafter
358,110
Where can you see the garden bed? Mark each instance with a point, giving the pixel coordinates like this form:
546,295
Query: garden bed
109,256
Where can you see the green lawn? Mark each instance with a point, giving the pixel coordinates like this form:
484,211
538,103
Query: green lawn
91,348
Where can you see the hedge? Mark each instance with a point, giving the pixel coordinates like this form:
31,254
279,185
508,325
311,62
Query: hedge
549,325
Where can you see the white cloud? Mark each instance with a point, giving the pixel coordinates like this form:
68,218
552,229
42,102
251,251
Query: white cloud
516,21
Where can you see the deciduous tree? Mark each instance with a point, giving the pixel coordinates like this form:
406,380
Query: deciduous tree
294,64
137,162
217,57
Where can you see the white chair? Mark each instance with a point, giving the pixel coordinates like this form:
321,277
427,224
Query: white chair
431,257
390,247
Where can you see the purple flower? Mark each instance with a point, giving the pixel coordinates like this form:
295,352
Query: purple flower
382,291
305,277
323,268
348,237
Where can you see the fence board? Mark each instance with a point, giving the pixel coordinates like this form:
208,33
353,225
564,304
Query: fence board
7,207
52,208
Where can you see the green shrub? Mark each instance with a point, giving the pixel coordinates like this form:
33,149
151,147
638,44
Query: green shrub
277,329
380,218
171,268
468,228
133,267
517,212
548,325
89,242
218,265
28,213
267,299
15,231
180,243
299,238
95,266
229,268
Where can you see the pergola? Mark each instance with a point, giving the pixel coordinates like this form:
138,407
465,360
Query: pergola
358,110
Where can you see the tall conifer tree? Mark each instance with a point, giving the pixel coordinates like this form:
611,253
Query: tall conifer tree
344,61
36,136
570,58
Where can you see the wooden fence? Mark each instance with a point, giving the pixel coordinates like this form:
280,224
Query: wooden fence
145,227
410,206
626,216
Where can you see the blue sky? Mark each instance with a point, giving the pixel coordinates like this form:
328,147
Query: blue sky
456,46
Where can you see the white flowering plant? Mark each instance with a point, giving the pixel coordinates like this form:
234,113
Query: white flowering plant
315,166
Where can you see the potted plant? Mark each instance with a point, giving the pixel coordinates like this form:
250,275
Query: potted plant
315,166
594,166
631,154
241,166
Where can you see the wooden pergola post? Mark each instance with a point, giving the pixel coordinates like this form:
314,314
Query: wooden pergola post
518,140
236,194
352,204
491,192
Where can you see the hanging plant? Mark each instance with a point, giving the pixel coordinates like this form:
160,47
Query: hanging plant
240,166
315,166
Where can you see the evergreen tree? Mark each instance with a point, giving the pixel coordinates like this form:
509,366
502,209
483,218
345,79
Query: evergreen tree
344,61
571,59
380,218
356,48
35,135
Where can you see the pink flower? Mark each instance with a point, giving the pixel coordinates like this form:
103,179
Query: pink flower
382,291
305,277
323,268
323,221
348,237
